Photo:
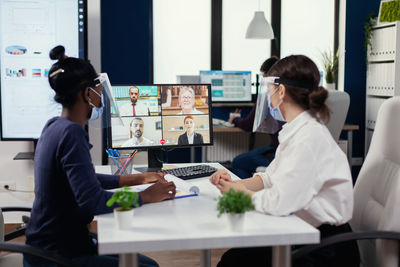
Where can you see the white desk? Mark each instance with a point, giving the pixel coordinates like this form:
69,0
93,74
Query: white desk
192,223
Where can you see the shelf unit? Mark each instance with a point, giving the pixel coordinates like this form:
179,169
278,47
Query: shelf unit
382,81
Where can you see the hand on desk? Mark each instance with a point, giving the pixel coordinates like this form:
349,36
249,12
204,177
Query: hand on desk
141,178
158,192
223,181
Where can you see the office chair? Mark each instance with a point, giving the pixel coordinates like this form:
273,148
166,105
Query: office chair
376,196
338,103
15,259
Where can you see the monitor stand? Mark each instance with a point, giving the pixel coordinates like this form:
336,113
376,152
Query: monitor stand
154,156
27,155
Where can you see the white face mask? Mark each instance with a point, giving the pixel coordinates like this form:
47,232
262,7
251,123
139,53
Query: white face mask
96,111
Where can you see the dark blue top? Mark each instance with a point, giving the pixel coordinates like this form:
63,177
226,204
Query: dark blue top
68,192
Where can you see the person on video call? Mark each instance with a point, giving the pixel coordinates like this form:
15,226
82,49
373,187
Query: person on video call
68,192
134,108
244,165
187,100
190,136
136,134
310,175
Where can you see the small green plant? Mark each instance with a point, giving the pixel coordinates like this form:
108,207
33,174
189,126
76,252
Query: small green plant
330,62
234,202
124,198
368,32
390,11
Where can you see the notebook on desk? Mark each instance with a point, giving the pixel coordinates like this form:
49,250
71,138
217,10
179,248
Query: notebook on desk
221,123
183,189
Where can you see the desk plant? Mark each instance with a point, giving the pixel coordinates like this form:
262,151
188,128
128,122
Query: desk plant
330,62
235,204
126,199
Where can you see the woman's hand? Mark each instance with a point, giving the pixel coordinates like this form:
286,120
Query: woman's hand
225,186
141,178
221,174
158,192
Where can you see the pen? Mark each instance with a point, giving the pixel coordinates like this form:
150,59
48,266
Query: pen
115,162
127,161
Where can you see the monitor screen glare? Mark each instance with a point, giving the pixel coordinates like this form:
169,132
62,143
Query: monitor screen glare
228,86
160,116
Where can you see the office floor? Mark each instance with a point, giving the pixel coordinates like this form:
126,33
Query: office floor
189,258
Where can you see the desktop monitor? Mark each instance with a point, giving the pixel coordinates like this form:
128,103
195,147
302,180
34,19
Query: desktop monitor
228,86
160,116
28,31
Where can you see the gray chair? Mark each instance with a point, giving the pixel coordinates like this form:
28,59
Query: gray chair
15,258
376,213
338,102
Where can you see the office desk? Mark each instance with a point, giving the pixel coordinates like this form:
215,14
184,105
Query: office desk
192,223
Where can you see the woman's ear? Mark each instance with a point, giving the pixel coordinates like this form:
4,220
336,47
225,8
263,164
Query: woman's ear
282,91
85,95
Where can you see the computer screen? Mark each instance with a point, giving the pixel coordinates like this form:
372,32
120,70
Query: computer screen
228,86
156,116
28,31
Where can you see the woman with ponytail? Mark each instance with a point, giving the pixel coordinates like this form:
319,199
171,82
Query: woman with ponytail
68,192
309,177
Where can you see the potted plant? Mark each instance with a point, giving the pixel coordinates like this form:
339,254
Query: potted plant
235,204
330,63
126,199
370,22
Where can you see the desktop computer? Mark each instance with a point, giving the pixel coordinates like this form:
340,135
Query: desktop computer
160,116
228,86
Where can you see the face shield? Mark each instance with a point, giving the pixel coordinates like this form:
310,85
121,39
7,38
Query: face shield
263,121
110,109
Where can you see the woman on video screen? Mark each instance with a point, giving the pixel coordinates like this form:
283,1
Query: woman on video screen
190,137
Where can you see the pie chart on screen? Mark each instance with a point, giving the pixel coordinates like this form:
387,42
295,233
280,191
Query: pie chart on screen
16,50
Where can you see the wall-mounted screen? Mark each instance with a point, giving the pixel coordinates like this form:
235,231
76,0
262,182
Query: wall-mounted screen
29,29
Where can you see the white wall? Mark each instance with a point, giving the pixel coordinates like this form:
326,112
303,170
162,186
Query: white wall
21,171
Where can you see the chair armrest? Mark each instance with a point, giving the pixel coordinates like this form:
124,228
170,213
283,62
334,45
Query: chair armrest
38,252
21,230
5,209
298,253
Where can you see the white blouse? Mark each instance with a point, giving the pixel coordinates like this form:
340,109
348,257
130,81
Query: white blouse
309,176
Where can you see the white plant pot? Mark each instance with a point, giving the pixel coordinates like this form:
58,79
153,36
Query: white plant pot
123,218
236,221
331,86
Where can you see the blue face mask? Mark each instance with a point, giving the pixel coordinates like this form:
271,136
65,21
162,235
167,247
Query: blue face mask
275,112
96,112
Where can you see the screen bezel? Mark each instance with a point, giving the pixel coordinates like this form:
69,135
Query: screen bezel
231,101
80,53
109,133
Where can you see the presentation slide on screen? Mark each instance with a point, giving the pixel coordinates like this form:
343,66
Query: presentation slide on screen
28,31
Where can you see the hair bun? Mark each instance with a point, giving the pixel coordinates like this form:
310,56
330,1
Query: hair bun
57,52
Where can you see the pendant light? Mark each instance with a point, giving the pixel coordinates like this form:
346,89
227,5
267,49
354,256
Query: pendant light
259,28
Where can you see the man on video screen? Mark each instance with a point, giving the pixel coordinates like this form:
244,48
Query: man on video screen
134,108
136,134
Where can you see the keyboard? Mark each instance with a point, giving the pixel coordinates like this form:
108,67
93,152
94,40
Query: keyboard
191,172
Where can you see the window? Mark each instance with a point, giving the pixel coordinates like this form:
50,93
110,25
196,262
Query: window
307,27
182,38
239,53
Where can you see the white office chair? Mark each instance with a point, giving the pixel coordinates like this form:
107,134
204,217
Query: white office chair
376,196
338,102
377,190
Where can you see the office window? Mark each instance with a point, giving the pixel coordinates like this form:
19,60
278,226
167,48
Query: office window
182,38
307,27
239,53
